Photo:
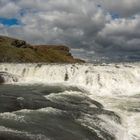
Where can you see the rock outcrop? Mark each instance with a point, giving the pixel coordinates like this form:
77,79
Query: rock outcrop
14,50
7,78
1,79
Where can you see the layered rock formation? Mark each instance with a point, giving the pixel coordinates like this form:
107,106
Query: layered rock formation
14,50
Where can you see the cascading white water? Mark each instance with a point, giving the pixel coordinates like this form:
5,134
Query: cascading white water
104,79
114,85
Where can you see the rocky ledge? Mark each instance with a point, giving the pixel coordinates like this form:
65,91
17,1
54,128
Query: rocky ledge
7,78
19,51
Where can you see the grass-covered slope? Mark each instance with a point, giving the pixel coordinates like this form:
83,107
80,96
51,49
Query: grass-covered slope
14,50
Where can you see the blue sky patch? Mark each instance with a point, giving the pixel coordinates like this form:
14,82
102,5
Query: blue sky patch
9,21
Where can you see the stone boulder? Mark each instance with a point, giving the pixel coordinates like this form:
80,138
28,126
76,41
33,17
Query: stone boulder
19,43
1,79
8,78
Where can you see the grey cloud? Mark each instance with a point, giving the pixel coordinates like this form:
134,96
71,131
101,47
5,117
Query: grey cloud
124,8
81,24
8,9
121,34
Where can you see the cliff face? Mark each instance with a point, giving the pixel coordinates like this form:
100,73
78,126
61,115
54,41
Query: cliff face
14,50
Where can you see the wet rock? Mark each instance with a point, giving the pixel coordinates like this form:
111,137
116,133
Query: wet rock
7,77
66,77
1,80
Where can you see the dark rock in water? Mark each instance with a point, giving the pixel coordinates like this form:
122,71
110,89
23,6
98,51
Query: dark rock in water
7,77
1,80
66,77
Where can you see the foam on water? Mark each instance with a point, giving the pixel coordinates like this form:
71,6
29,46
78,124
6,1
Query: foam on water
94,122
113,85
128,109
12,116
19,134
102,79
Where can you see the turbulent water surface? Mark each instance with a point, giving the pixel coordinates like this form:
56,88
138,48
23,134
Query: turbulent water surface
70,102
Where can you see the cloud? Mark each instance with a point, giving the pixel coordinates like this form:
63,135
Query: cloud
124,8
8,9
121,34
101,29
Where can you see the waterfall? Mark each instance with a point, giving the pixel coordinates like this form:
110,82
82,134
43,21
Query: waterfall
107,78
114,86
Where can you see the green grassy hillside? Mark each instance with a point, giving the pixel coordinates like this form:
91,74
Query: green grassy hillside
14,50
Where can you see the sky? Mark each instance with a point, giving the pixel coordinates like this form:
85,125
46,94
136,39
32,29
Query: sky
94,29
